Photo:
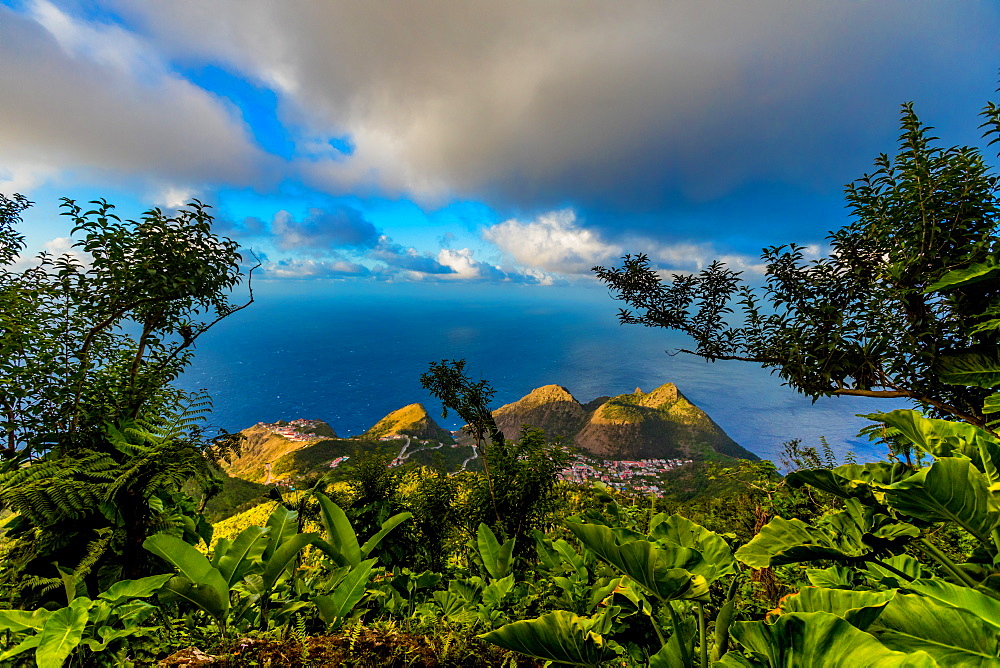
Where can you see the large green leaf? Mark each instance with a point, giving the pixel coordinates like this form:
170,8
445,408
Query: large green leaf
341,542
667,573
945,438
858,481
281,525
559,636
682,532
950,490
497,558
953,636
974,273
819,639
31,642
346,595
21,620
240,556
282,557
200,582
61,633
985,607
852,535
140,588
860,608
969,368
383,531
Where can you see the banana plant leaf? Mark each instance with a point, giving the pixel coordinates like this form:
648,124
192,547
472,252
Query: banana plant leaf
853,535
668,573
818,639
681,532
559,636
282,558
141,588
341,540
496,558
860,608
384,531
281,525
953,636
200,583
950,490
346,595
237,558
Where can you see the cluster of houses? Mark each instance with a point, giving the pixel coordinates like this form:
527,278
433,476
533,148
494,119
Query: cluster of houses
336,462
621,474
296,430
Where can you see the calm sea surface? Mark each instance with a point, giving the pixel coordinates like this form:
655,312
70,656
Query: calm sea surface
351,353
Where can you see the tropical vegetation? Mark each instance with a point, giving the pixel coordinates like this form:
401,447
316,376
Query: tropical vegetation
105,473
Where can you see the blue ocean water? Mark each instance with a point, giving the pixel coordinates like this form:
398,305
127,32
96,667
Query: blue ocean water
349,353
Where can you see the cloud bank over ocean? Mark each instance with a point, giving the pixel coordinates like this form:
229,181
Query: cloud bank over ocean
346,140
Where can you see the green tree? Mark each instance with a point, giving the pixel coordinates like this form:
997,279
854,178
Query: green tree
96,442
520,475
872,319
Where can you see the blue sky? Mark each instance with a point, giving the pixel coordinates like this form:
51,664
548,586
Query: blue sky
503,142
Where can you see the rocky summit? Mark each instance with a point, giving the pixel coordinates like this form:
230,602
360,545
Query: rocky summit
662,423
412,421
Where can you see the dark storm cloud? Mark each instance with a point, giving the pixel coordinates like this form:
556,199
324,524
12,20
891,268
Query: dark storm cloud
324,228
628,107
96,101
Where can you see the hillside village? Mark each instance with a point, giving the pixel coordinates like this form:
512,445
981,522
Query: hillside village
294,430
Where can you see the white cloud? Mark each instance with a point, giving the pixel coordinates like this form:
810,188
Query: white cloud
552,242
555,242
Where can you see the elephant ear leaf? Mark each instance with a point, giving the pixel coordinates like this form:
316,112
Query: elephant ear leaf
860,608
852,535
668,573
974,273
950,490
953,636
60,635
560,636
985,607
945,438
974,369
822,639
682,532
